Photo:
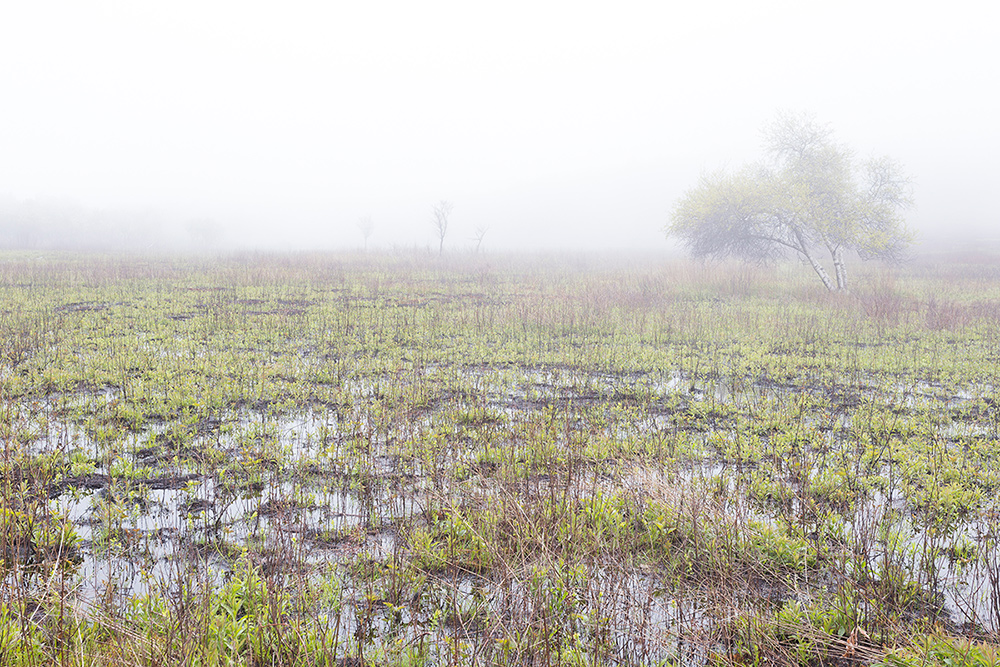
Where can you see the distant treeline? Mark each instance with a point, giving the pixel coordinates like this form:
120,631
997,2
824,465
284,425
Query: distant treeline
55,224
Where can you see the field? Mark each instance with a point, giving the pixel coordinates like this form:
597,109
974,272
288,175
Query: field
496,460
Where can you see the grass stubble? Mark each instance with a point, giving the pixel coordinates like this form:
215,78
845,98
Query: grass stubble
495,460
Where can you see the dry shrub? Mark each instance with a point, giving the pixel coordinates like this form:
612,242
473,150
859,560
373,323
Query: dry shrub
988,311
950,315
946,315
883,302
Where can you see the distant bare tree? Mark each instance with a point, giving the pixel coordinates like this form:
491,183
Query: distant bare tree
366,226
440,222
480,233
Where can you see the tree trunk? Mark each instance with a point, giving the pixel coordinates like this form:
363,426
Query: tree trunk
813,262
820,271
840,268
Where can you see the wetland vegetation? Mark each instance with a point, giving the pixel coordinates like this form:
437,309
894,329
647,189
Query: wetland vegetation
405,459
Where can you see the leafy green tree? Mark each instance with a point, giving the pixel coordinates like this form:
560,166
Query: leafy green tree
812,198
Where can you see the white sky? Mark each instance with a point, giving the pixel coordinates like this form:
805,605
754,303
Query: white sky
573,124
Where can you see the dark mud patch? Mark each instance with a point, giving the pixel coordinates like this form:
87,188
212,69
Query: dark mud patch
99,481
296,303
92,481
86,306
281,312
171,482
195,506
280,506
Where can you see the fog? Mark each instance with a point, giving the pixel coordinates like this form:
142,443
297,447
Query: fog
554,124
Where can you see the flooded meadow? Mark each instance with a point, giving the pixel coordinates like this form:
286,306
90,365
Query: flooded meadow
496,460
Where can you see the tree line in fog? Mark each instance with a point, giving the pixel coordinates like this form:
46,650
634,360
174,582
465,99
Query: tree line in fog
58,224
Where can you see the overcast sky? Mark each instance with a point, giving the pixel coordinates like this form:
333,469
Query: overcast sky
568,124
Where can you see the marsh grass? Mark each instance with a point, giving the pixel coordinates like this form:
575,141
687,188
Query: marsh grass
496,460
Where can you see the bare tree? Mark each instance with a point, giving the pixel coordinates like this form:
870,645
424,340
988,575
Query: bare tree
480,233
366,226
440,222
